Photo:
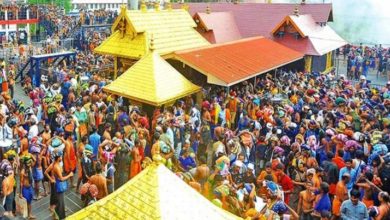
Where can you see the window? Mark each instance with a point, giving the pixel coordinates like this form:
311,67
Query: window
96,6
108,5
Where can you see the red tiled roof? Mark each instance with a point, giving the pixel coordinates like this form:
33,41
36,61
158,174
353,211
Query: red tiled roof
316,39
222,26
233,62
259,19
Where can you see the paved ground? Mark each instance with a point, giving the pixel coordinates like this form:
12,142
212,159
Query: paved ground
372,74
41,207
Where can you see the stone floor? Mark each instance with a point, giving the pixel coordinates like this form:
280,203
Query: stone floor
41,207
380,80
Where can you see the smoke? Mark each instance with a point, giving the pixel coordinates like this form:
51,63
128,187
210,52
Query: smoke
358,21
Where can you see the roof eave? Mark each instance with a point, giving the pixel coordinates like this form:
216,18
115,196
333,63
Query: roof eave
149,102
193,66
264,71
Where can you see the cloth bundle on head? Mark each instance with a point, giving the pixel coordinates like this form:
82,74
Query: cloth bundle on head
26,158
238,163
235,147
88,150
285,140
380,149
278,150
57,154
300,138
376,137
312,142
222,163
164,147
351,144
272,187
56,142
311,171
311,92
341,137
279,207
330,132
35,149
340,101
10,154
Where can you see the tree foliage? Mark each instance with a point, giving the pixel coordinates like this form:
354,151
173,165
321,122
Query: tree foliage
66,4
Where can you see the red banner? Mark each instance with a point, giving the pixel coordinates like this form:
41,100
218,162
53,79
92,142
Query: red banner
24,21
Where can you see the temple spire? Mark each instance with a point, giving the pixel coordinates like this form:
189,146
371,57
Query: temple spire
151,46
185,6
296,11
157,6
169,6
143,6
208,9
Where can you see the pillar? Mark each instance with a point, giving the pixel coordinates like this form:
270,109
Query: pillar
308,63
328,61
28,27
6,26
115,67
37,74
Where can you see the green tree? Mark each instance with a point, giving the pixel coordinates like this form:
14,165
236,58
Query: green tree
66,4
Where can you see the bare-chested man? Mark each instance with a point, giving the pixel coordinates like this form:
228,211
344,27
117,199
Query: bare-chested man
202,172
26,181
57,173
340,196
305,204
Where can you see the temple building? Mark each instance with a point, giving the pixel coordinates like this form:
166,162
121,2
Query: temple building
224,22
317,41
172,30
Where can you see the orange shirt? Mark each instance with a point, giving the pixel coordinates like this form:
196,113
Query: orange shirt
233,105
70,159
317,181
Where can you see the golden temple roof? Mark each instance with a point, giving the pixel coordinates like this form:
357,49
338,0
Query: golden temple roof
155,193
152,80
172,30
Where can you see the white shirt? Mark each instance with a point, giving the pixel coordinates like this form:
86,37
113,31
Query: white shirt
33,132
4,109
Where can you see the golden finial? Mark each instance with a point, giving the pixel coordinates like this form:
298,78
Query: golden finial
157,6
143,6
123,9
151,47
269,1
236,2
208,9
296,11
169,6
185,7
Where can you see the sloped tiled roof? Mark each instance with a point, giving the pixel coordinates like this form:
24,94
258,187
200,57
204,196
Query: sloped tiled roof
222,26
315,39
233,62
154,194
127,46
171,29
255,19
152,80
